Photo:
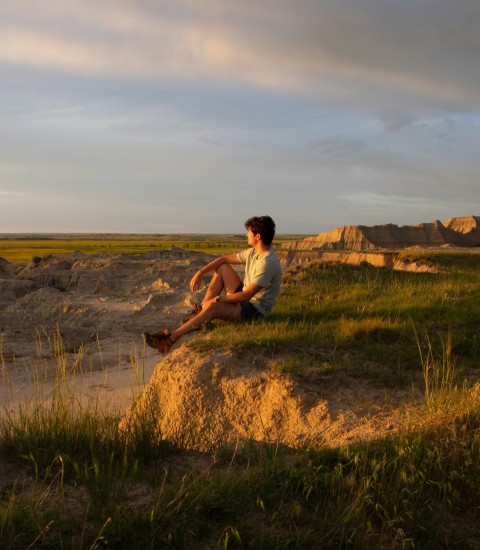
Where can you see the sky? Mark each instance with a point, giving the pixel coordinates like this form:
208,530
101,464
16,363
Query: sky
158,116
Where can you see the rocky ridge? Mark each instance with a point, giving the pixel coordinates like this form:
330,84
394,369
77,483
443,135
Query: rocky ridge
455,232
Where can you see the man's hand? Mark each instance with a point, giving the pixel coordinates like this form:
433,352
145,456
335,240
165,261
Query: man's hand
196,281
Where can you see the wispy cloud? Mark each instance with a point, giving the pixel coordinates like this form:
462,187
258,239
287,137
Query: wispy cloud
380,54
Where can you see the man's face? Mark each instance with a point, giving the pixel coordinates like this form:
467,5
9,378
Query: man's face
251,237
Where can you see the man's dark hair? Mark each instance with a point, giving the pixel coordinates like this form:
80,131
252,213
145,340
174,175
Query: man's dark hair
263,225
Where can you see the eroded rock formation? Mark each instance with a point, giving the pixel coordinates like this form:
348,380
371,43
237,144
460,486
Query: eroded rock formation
203,399
458,232
111,297
389,260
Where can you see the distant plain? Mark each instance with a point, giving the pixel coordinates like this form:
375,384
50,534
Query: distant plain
20,248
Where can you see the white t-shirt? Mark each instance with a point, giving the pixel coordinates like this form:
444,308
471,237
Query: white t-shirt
264,271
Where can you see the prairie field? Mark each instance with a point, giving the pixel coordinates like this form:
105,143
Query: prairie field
19,249
74,479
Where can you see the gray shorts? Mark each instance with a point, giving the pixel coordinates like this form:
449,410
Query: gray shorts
248,311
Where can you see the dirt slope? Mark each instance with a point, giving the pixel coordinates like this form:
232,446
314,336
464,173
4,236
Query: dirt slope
208,397
111,298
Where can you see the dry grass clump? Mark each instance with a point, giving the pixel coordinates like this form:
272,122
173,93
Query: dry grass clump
82,486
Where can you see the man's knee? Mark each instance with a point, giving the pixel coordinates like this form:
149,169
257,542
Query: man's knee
230,278
224,268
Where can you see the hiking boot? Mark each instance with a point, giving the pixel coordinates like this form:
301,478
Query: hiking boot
159,340
196,309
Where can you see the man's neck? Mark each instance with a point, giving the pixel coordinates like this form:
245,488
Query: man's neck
261,248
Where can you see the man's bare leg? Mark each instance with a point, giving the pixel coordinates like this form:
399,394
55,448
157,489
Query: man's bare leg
215,310
224,278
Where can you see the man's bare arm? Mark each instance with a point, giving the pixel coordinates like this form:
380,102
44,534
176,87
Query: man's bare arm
244,296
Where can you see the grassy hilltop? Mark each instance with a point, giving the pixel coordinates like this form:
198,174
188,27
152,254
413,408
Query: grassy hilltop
74,481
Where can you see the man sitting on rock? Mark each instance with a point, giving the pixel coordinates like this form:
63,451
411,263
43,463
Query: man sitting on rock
227,297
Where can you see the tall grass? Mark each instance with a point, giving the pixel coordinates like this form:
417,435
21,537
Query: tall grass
441,373
360,319
78,481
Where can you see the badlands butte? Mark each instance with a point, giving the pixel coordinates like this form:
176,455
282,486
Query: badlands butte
454,232
377,245
97,306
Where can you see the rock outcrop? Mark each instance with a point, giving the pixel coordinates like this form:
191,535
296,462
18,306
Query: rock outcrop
204,398
389,260
113,275
111,297
457,232
469,226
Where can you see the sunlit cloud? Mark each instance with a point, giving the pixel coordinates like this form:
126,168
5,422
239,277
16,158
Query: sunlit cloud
319,49
139,115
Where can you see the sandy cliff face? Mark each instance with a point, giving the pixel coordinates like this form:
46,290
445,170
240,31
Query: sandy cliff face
347,237
468,226
204,398
463,231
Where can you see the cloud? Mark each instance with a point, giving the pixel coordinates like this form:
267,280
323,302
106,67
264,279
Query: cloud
396,120
310,106
380,53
